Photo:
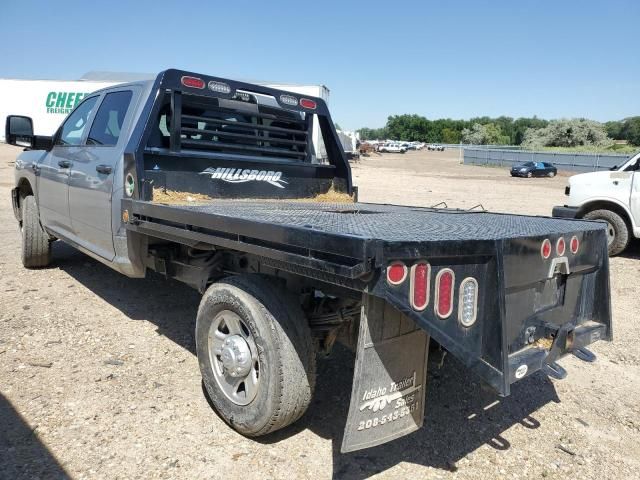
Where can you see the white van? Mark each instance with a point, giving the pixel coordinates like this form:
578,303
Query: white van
612,196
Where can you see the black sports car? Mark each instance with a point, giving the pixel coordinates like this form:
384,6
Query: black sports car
534,169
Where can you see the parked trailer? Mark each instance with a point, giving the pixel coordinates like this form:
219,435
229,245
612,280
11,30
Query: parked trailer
47,102
213,182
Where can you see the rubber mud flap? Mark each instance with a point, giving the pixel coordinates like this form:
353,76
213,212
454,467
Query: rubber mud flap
387,397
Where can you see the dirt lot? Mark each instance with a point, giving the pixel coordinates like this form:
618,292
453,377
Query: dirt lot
98,377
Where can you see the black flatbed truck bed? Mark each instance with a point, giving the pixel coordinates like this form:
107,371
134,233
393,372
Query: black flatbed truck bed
347,244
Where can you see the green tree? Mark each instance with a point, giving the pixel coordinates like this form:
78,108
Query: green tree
484,134
631,130
568,133
450,135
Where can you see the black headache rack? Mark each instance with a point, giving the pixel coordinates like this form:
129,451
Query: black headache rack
522,303
227,139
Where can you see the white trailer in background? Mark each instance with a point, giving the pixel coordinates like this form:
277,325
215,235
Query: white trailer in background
48,102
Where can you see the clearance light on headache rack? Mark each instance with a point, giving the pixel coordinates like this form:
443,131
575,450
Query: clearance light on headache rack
396,273
468,302
289,100
219,87
306,103
193,82
561,247
444,292
419,286
574,245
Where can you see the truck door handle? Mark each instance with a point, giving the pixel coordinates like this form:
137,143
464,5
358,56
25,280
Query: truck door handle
106,169
64,163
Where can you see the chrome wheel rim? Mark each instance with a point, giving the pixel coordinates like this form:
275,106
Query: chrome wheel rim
234,358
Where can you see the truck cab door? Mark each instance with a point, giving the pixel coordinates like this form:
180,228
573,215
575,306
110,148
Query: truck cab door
54,170
91,184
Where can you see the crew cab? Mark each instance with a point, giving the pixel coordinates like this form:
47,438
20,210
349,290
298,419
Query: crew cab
216,183
611,196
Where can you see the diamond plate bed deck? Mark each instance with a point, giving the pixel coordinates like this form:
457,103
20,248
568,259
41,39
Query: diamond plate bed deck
388,223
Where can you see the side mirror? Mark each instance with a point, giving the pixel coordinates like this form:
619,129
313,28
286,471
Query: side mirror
19,131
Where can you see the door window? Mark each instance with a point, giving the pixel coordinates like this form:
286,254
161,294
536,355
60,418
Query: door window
107,124
73,127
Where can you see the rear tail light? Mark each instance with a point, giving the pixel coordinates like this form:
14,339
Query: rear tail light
444,292
419,288
220,87
396,273
306,103
561,246
468,305
545,249
574,245
192,82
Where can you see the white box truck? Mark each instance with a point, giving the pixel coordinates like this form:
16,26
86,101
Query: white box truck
47,102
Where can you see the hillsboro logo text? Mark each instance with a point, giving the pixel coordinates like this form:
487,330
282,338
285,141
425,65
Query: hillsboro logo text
63,102
238,175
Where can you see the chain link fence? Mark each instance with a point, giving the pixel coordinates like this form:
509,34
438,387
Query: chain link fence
505,157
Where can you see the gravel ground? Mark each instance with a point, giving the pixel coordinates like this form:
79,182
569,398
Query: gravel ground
98,377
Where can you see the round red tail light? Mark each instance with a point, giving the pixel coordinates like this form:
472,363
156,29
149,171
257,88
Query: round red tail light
396,273
545,249
192,82
574,245
561,246
419,289
444,292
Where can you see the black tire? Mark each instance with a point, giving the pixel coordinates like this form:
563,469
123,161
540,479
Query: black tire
551,174
617,229
36,245
529,174
284,346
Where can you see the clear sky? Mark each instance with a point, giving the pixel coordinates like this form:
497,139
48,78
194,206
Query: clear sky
456,59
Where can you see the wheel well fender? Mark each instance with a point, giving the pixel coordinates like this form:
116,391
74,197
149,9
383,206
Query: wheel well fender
24,189
607,205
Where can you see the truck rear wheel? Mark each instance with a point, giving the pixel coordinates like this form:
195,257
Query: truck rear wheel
36,245
255,353
617,230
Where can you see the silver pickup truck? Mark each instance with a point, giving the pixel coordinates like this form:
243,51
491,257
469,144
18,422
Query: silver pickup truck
218,184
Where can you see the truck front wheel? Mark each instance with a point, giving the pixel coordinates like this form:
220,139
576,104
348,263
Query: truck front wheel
36,245
617,230
255,353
